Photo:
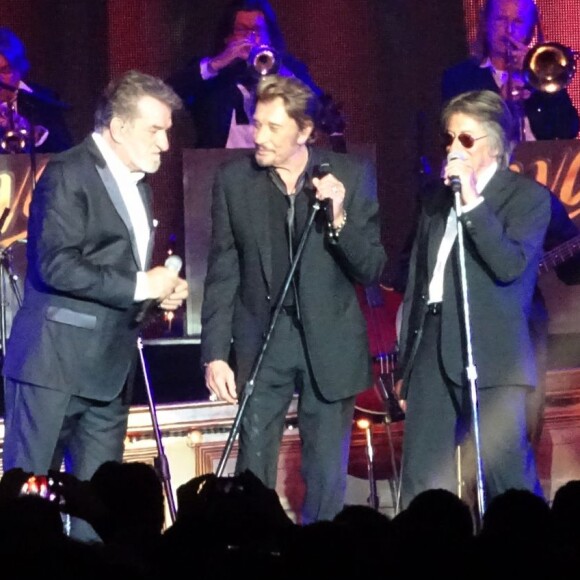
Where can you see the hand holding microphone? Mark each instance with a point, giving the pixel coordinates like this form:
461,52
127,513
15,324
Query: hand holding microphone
165,285
330,192
459,175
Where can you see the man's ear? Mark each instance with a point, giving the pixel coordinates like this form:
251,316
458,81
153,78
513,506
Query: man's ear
305,133
116,129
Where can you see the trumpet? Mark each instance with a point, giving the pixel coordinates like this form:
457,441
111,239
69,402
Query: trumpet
15,130
549,66
264,60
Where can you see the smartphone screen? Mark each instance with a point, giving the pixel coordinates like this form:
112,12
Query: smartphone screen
41,485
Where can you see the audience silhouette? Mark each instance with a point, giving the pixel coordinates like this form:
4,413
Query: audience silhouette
228,526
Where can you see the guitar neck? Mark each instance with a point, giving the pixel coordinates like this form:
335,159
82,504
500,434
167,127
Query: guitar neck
560,254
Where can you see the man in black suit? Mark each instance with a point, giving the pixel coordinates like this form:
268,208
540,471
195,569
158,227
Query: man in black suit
319,347
506,28
72,349
30,116
504,216
218,91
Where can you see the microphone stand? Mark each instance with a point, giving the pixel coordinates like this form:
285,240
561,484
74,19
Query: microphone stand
470,368
161,462
249,386
6,271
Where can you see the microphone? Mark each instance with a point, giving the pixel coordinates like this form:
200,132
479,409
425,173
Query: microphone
454,181
173,263
321,171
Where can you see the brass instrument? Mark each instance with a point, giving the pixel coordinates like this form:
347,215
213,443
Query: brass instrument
549,66
15,130
263,59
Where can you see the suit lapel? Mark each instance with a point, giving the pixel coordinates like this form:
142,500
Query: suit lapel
114,195
147,198
495,189
258,197
436,233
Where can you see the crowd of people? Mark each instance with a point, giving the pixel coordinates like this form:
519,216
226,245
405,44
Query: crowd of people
295,232
236,525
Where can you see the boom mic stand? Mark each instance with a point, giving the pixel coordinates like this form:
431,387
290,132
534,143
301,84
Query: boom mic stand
471,370
249,386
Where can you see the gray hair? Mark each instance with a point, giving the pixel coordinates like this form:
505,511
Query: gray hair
121,96
489,109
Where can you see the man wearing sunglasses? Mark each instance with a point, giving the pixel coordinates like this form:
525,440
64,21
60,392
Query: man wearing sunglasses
503,221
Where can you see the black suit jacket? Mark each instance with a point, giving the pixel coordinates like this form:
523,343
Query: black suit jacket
503,246
238,299
76,329
551,116
211,102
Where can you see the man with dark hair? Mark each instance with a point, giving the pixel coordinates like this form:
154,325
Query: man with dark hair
504,216
30,115
506,29
218,91
72,350
319,346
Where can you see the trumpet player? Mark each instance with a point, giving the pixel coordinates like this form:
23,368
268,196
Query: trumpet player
30,115
218,91
506,29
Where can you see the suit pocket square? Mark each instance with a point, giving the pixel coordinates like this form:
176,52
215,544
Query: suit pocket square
70,317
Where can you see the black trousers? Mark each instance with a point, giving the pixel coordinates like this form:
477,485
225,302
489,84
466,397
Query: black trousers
438,419
324,427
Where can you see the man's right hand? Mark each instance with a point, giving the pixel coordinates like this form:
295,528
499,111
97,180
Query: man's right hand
162,282
219,379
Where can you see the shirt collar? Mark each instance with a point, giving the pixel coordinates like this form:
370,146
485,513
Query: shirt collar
485,177
501,75
117,167
305,177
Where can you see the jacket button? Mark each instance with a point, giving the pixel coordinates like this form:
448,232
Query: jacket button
268,298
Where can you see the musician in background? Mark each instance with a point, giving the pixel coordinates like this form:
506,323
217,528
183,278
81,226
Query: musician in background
560,230
29,110
506,28
218,90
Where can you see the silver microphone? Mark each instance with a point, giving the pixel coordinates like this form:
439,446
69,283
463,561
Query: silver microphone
174,263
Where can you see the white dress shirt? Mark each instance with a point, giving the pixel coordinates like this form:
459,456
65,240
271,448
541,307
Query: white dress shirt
127,181
436,284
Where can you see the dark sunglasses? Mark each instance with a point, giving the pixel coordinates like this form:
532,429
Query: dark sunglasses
466,140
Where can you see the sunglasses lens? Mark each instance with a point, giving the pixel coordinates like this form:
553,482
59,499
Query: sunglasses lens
466,140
